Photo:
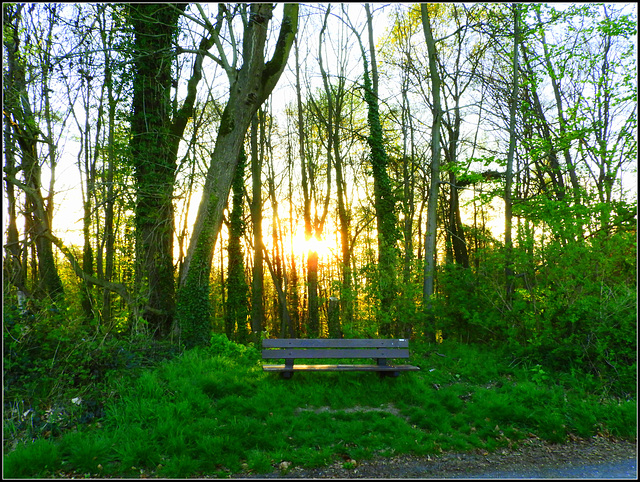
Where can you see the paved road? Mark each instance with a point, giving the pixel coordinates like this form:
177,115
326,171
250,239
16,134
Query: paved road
622,469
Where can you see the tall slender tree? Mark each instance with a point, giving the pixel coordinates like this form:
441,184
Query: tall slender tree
384,199
508,202
432,208
257,282
313,223
28,134
335,97
13,269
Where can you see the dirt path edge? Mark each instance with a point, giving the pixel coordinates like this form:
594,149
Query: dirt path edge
532,453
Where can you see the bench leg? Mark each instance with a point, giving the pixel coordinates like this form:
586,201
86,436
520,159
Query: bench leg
288,363
382,362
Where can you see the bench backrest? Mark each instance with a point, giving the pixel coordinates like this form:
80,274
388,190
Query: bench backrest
334,348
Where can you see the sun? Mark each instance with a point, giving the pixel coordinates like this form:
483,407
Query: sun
314,244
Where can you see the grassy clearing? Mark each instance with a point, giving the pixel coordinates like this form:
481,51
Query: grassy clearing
214,412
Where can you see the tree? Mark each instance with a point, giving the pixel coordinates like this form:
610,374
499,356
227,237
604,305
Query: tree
236,313
152,140
432,209
315,166
28,134
257,283
277,267
384,199
113,93
249,86
312,258
508,203
14,270
335,97
555,83
459,77
607,110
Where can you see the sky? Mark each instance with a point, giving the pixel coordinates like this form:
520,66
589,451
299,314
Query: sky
68,212
68,205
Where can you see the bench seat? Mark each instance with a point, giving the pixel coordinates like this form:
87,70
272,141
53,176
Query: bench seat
380,350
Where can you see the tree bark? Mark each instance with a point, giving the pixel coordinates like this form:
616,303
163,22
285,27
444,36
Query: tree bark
154,163
383,196
432,207
27,134
236,313
508,203
257,304
249,87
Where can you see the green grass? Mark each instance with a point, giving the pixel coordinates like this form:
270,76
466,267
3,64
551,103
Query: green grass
214,412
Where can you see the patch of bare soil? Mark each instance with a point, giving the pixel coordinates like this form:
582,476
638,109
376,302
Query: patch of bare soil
532,453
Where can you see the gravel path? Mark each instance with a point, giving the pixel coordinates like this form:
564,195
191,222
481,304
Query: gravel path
599,457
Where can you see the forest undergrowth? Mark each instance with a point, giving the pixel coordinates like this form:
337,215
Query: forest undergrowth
152,411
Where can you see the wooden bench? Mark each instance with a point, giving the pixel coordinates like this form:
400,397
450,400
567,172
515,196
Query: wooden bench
292,349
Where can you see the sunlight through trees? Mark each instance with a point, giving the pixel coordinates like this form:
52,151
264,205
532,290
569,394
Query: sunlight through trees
468,170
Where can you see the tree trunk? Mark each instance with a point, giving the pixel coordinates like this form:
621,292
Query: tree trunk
249,87
257,304
313,326
26,134
154,163
383,196
294,296
508,203
432,207
456,231
154,146
86,166
335,101
279,278
13,269
109,231
408,184
236,313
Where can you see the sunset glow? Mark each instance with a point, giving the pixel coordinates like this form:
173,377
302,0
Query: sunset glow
305,246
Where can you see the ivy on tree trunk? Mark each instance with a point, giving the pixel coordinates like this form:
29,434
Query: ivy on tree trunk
250,85
237,290
153,160
384,200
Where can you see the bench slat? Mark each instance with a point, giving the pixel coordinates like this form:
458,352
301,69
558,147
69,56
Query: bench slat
337,353
346,368
333,343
